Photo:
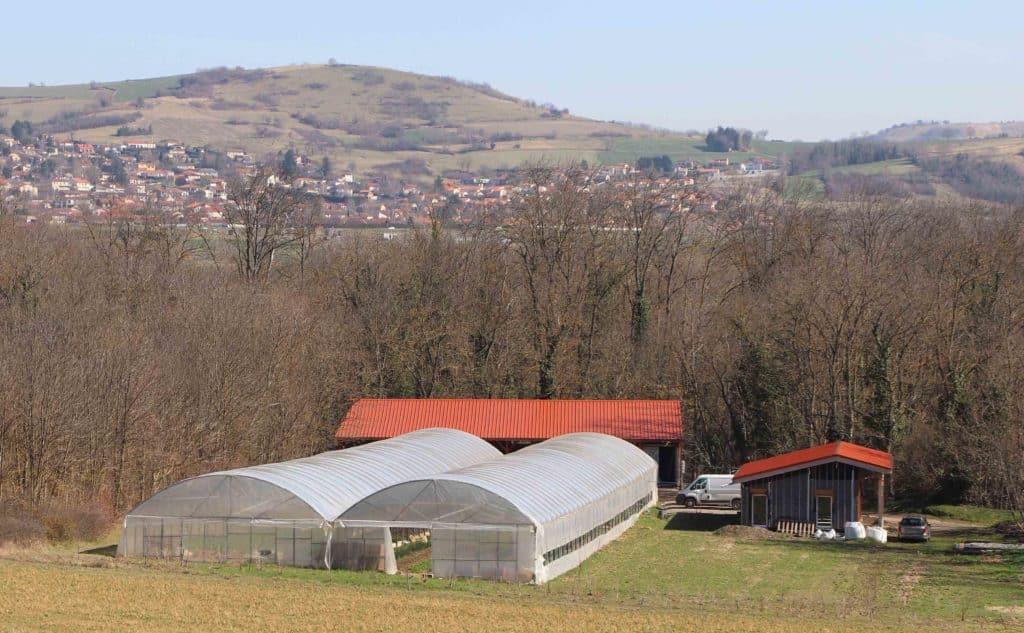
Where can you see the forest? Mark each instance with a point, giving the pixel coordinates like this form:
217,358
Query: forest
134,354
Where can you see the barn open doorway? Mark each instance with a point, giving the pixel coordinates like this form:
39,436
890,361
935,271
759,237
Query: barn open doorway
412,549
668,466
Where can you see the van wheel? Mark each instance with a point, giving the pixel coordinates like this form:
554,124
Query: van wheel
735,504
690,502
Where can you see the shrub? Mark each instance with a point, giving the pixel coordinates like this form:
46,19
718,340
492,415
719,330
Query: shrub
268,99
368,77
319,123
20,530
71,120
201,83
127,130
222,104
413,107
73,520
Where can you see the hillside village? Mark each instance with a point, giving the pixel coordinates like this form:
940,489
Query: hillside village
67,181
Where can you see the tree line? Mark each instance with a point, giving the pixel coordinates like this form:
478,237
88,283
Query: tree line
135,354
728,139
821,156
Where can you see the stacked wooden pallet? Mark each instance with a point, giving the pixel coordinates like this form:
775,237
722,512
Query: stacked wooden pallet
796,528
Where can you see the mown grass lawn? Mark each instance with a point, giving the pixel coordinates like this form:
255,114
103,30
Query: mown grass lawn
652,578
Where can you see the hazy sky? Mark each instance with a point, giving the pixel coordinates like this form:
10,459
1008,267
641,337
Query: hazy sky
798,69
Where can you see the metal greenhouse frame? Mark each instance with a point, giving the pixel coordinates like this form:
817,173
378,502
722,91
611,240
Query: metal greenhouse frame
284,512
527,516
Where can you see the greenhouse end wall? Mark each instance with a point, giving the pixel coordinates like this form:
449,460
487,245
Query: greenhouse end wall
490,552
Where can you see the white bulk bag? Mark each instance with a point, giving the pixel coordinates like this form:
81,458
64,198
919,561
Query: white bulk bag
877,534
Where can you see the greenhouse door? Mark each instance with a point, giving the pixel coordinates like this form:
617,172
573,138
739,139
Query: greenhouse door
363,548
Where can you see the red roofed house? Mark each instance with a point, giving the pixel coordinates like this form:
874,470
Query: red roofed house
654,425
814,487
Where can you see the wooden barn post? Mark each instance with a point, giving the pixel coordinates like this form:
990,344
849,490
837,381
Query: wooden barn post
881,500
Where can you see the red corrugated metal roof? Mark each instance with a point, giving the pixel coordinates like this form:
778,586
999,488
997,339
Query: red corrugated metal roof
636,420
826,452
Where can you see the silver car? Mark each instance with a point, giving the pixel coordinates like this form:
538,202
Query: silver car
913,527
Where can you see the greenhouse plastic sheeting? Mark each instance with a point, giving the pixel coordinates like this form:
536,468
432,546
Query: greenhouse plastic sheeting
283,512
557,502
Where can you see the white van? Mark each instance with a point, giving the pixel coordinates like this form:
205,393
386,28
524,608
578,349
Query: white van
711,490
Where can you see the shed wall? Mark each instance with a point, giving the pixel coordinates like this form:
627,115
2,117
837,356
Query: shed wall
792,495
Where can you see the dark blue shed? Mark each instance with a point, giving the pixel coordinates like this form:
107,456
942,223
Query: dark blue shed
818,487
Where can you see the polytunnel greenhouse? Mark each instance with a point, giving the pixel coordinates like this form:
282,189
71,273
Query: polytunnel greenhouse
526,516
284,512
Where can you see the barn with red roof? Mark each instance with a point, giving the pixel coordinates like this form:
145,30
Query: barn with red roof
656,426
818,487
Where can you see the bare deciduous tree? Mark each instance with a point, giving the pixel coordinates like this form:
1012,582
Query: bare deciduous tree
266,216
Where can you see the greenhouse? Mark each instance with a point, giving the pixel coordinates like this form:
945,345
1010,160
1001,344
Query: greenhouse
284,512
526,516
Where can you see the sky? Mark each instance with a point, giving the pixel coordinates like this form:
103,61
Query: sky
800,70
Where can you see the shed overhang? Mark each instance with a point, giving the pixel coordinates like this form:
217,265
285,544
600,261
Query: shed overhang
843,452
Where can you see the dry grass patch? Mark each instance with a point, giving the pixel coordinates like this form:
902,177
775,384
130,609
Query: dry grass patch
37,596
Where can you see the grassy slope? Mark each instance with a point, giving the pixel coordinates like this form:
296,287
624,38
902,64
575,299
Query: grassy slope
927,130
651,579
974,514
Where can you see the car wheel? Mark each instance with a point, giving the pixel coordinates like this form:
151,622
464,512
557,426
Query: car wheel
690,502
735,504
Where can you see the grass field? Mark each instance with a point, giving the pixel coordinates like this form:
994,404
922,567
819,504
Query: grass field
896,167
653,578
132,89
127,90
680,148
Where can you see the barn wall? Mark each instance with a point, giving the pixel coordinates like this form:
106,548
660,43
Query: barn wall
842,480
791,496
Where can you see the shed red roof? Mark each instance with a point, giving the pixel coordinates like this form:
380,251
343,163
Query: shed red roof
637,420
836,451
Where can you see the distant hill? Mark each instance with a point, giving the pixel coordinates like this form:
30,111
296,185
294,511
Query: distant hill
946,130
363,118
989,169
